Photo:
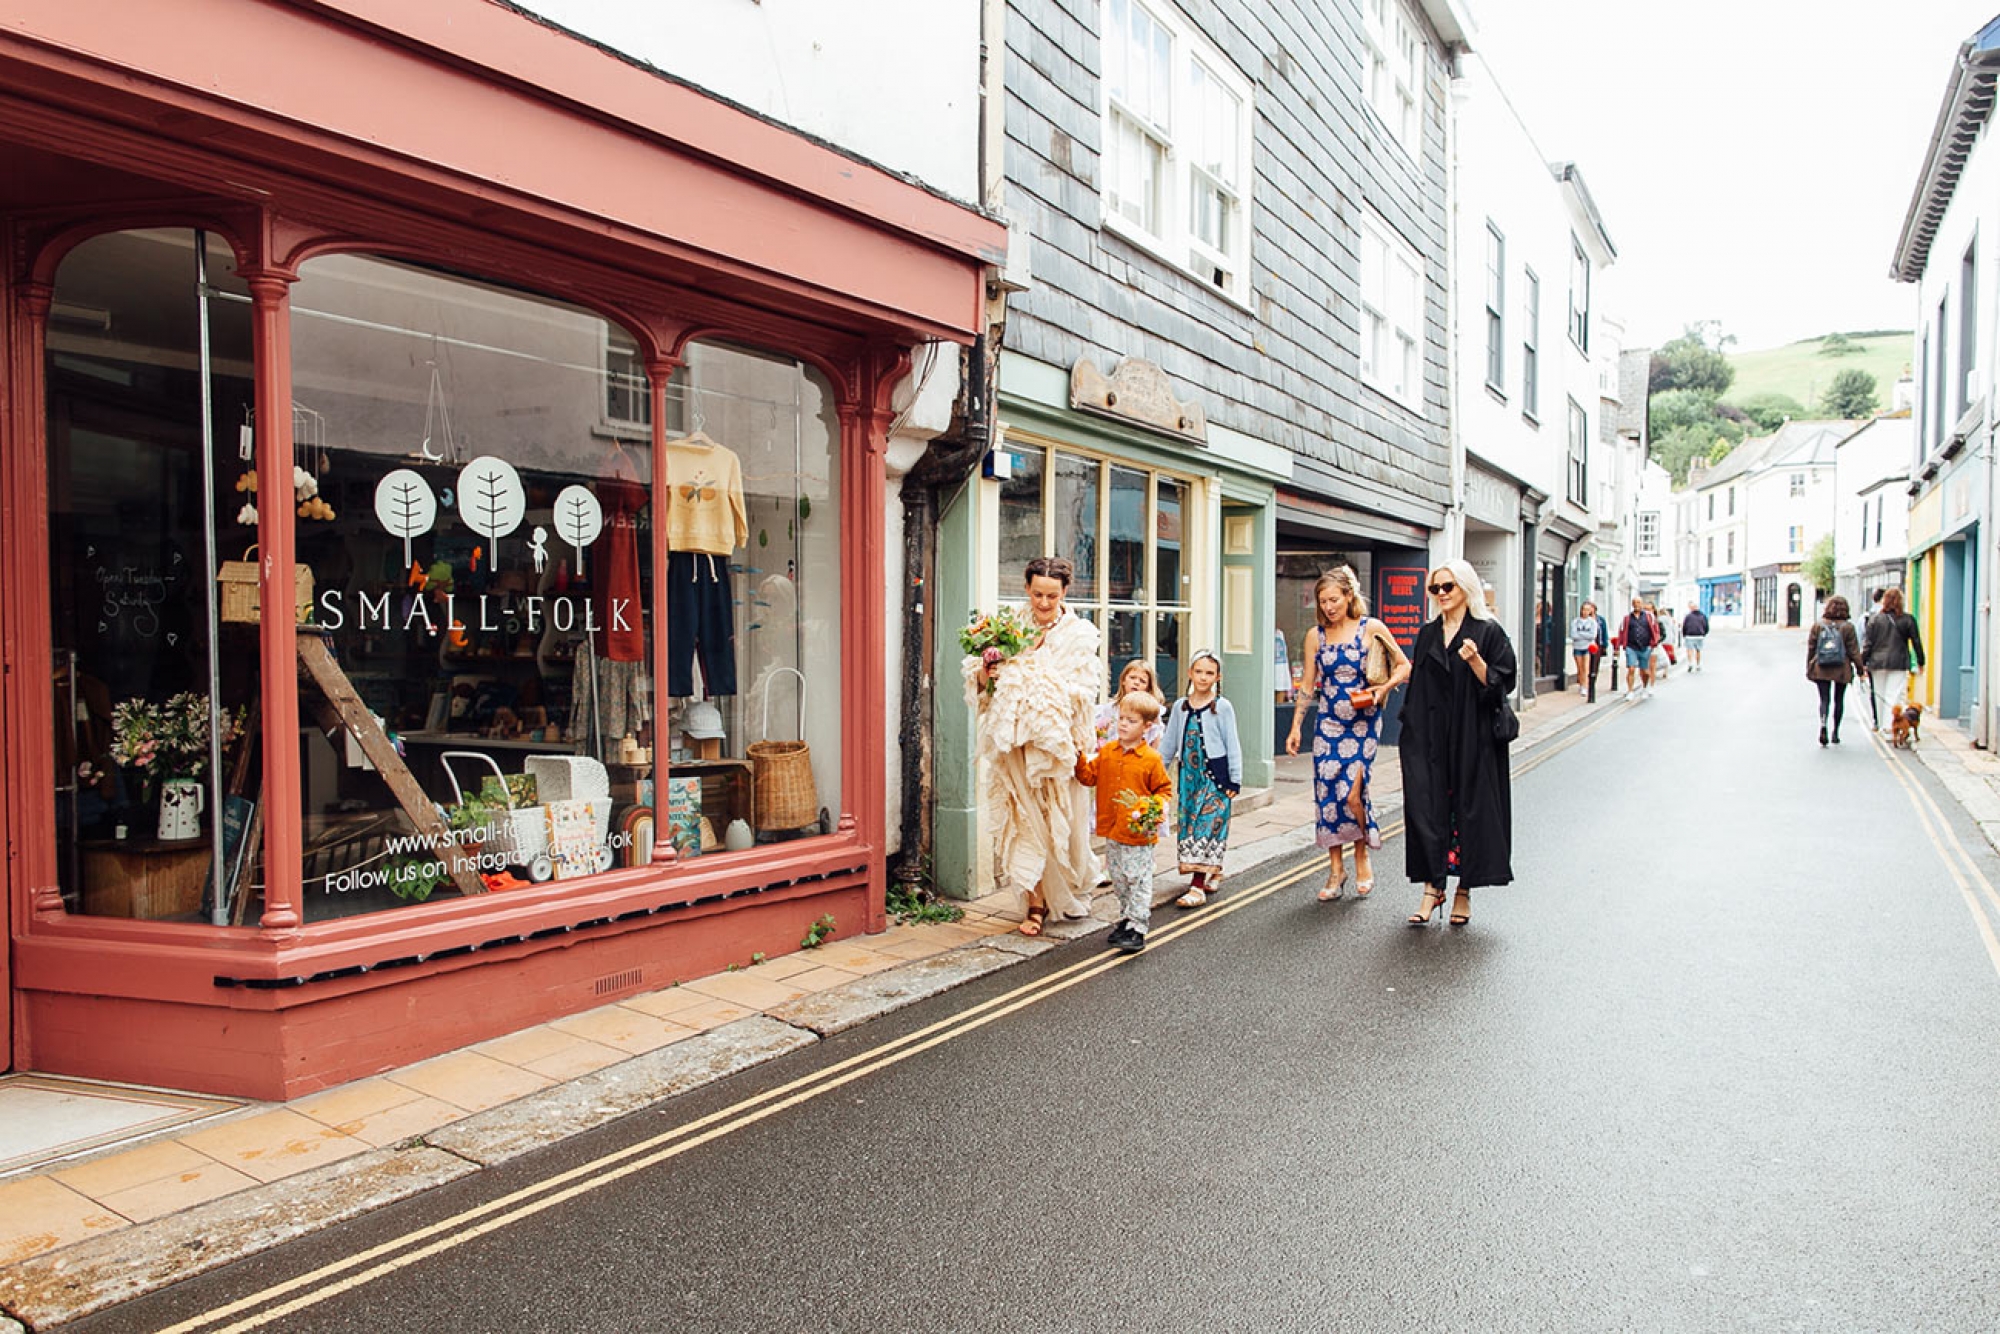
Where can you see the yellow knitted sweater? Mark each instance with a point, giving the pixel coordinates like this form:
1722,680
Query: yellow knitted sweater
704,497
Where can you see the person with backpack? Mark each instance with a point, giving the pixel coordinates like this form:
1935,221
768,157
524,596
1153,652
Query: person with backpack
1641,634
1833,656
1892,646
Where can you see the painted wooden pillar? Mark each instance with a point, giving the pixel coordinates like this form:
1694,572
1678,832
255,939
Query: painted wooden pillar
270,296
30,740
658,371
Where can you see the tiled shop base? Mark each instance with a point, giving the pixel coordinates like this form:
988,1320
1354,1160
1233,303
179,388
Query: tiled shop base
46,1117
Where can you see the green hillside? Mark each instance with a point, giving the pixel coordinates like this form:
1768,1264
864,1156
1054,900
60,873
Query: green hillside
1803,371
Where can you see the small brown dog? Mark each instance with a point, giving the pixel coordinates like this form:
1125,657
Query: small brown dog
1904,720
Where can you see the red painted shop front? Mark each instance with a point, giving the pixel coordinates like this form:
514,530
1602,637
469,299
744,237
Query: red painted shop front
444,531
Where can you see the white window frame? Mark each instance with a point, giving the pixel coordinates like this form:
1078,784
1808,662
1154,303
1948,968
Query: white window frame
1392,76
624,369
1795,538
1531,346
1797,483
1170,124
1649,532
1579,295
1496,310
1578,486
1393,296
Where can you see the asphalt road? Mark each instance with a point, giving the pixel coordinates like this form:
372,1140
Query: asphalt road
1722,1058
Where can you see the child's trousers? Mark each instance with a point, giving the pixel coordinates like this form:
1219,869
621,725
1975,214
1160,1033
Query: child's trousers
1130,867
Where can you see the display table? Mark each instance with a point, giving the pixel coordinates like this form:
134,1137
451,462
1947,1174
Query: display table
143,877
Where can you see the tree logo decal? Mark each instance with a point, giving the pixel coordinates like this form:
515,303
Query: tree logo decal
490,498
579,519
405,505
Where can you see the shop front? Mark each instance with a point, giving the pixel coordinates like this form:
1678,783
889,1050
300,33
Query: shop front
445,542
1557,598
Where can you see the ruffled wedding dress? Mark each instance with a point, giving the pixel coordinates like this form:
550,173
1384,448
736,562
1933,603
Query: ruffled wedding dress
1031,730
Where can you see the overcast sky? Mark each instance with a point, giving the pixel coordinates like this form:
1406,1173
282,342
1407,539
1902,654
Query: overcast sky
1753,159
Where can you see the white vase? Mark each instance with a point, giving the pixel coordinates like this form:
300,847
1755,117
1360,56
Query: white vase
182,801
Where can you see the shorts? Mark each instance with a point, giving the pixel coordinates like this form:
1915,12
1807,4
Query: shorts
1693,643
1641,658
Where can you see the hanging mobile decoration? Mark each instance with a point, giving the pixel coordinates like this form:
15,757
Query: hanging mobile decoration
308,446
437,422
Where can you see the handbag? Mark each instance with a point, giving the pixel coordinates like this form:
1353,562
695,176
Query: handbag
1375,662
1506,727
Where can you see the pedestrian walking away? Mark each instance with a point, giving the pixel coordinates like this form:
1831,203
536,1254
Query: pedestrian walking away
1586,645
1339,653
1457,804
1833,657
1205,759
1641,633
1890,649
1033,724
1694,636
1132,792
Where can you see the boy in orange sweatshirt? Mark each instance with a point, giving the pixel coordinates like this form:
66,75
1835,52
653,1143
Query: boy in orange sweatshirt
1132,795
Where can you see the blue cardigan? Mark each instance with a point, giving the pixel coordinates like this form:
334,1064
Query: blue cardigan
1218,737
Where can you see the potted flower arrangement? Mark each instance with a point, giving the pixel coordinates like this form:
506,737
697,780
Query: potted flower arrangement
165,746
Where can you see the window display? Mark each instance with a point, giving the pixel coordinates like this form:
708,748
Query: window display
149,395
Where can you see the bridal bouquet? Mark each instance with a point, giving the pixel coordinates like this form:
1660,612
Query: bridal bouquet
998,637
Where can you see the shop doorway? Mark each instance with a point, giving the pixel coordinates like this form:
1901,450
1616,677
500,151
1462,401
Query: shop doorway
1793,607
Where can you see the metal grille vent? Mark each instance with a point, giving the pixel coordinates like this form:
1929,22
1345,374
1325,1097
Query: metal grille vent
618,981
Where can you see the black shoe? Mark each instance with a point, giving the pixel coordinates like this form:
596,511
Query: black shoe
1130,941
1836,737
1120,935
1822,734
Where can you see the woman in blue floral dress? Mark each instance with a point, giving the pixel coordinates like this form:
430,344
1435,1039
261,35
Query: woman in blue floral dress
1350,725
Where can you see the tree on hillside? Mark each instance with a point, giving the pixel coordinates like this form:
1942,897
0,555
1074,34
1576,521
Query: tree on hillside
1670,410
1772,410
1839,345
1852,394
1691,362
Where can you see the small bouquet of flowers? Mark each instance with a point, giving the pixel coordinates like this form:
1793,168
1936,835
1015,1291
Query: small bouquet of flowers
1143,815
998,637
170,740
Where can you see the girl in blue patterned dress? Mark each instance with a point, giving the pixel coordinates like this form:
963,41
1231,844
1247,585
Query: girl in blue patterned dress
1205,756
1350,725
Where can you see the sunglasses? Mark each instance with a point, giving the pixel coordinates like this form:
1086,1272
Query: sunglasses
1439,590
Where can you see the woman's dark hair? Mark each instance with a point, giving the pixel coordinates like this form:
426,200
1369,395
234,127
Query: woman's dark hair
1836,609
1057,568
1892,601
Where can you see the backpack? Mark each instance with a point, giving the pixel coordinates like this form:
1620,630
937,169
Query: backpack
1830,650
1638,630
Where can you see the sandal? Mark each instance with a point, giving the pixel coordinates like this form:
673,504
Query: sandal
1363,888
1461,907
1330,892
1433,903
1194,898
1031,924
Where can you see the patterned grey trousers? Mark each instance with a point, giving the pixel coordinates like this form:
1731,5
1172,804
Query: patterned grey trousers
1130,867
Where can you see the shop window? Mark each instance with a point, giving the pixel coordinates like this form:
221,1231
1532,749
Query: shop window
149,399
1078,505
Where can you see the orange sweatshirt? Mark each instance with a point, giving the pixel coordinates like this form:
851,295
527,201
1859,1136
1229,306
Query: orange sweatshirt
1115,769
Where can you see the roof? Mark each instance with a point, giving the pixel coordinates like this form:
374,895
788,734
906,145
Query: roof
1568,175
1797,444
1968,101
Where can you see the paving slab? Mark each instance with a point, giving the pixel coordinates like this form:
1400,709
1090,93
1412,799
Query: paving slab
582,1104
90,1276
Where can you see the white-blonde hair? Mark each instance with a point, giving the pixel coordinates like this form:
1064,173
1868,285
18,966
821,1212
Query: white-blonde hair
1468,579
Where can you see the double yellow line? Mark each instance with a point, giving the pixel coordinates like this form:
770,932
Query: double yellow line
1965,873
345,1275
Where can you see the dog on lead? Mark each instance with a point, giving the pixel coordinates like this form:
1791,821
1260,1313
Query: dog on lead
1904,721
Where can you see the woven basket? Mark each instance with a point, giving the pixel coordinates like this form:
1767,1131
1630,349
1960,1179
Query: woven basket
238,579
781,777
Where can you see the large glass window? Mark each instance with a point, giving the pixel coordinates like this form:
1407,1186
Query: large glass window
149,398
1077,505
1392,313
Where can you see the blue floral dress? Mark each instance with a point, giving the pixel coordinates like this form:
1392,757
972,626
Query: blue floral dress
1344,744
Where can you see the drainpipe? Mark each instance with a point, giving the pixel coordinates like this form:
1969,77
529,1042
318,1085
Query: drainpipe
1454,513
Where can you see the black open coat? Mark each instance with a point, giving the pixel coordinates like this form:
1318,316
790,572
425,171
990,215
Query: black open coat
1454,771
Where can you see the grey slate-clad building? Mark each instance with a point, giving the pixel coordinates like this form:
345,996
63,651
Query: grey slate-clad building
1227,368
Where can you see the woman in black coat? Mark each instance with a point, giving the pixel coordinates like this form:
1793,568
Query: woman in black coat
1457,807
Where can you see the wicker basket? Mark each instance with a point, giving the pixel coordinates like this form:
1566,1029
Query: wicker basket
782,795
239,591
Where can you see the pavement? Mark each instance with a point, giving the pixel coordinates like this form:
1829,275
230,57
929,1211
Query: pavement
84,1232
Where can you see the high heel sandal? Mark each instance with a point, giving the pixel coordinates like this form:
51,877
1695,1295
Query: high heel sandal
1433,903
1461,907
1330,891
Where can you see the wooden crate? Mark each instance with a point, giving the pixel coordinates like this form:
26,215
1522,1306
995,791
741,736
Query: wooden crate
144,878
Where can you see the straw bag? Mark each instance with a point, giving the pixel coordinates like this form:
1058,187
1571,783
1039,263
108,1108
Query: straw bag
238,579
1375,661
781,776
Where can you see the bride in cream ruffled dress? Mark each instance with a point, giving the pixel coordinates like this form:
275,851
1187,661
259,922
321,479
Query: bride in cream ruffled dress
1032,727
